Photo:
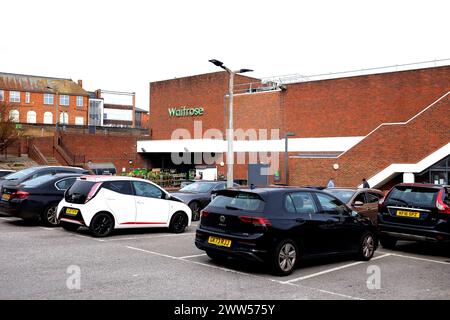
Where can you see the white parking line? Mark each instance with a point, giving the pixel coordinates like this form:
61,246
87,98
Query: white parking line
150,237
334,269
194,256
10,219
420,259
241,273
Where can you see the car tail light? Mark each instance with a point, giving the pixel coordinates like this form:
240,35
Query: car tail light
440,204
204,213
19,195
93,191
256,221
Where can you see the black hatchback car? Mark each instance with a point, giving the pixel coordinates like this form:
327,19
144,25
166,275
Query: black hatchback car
419,212
277,226
37,199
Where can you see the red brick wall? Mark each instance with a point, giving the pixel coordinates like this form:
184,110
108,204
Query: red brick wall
100,148
206,91
37,105
355,106
408,143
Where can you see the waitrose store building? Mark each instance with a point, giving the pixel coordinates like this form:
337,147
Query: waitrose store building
388,127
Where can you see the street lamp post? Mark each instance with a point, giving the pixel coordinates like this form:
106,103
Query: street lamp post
230,135
286,156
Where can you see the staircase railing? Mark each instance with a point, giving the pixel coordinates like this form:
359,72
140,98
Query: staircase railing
35,154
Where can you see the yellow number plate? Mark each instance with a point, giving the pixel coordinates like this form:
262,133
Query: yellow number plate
409,214
6,197
220,242
71,212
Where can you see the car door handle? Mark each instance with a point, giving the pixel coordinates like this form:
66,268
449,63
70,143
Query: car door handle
139,202
330,221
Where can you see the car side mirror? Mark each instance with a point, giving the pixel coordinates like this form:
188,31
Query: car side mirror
358,204
167,196
354,214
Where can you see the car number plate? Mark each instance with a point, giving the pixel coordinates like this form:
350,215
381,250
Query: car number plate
408,214
71,212
6,197
219,242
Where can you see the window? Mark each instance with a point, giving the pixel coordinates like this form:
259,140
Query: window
48,117
2,95
331,205
31,117
237,200
79,101
63,118
65,183
372,197
123,187
360,197
48,98
220,186
300,202
27,97
64,100
143,189
14,96
79,121
14,115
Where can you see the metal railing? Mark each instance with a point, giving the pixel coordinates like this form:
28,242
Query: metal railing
35,154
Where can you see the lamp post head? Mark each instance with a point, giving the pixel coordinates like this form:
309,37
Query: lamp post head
289,134
216,62
244,70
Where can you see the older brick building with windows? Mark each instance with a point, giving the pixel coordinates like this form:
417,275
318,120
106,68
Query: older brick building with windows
387,127
36,99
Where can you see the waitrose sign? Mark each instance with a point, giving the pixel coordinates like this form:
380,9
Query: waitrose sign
185,112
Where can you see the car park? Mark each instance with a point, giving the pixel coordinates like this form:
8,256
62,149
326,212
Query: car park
279,226
197,195
105,203
37,199
418,212
21,176
362,200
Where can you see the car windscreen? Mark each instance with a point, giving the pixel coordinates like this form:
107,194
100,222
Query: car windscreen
20,174
411,195
38,181
343,195
198,187
79,191
233,200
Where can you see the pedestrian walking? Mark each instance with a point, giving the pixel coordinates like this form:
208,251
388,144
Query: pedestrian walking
365,183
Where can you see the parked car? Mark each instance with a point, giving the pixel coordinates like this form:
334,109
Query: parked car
419,212
21,176
363,200
197,195
105,203
37,199
5,172
279,226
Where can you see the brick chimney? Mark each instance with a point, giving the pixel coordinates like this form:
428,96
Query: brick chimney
80,83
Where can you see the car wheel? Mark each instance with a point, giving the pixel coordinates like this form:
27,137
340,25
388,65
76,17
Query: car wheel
216,256
195,207
50,216
178,223
102,225
69,226
284,257
388,242
367,246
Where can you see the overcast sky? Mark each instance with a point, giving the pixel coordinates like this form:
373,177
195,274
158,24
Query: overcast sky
123,45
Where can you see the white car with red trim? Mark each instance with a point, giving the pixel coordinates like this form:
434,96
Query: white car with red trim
105,203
